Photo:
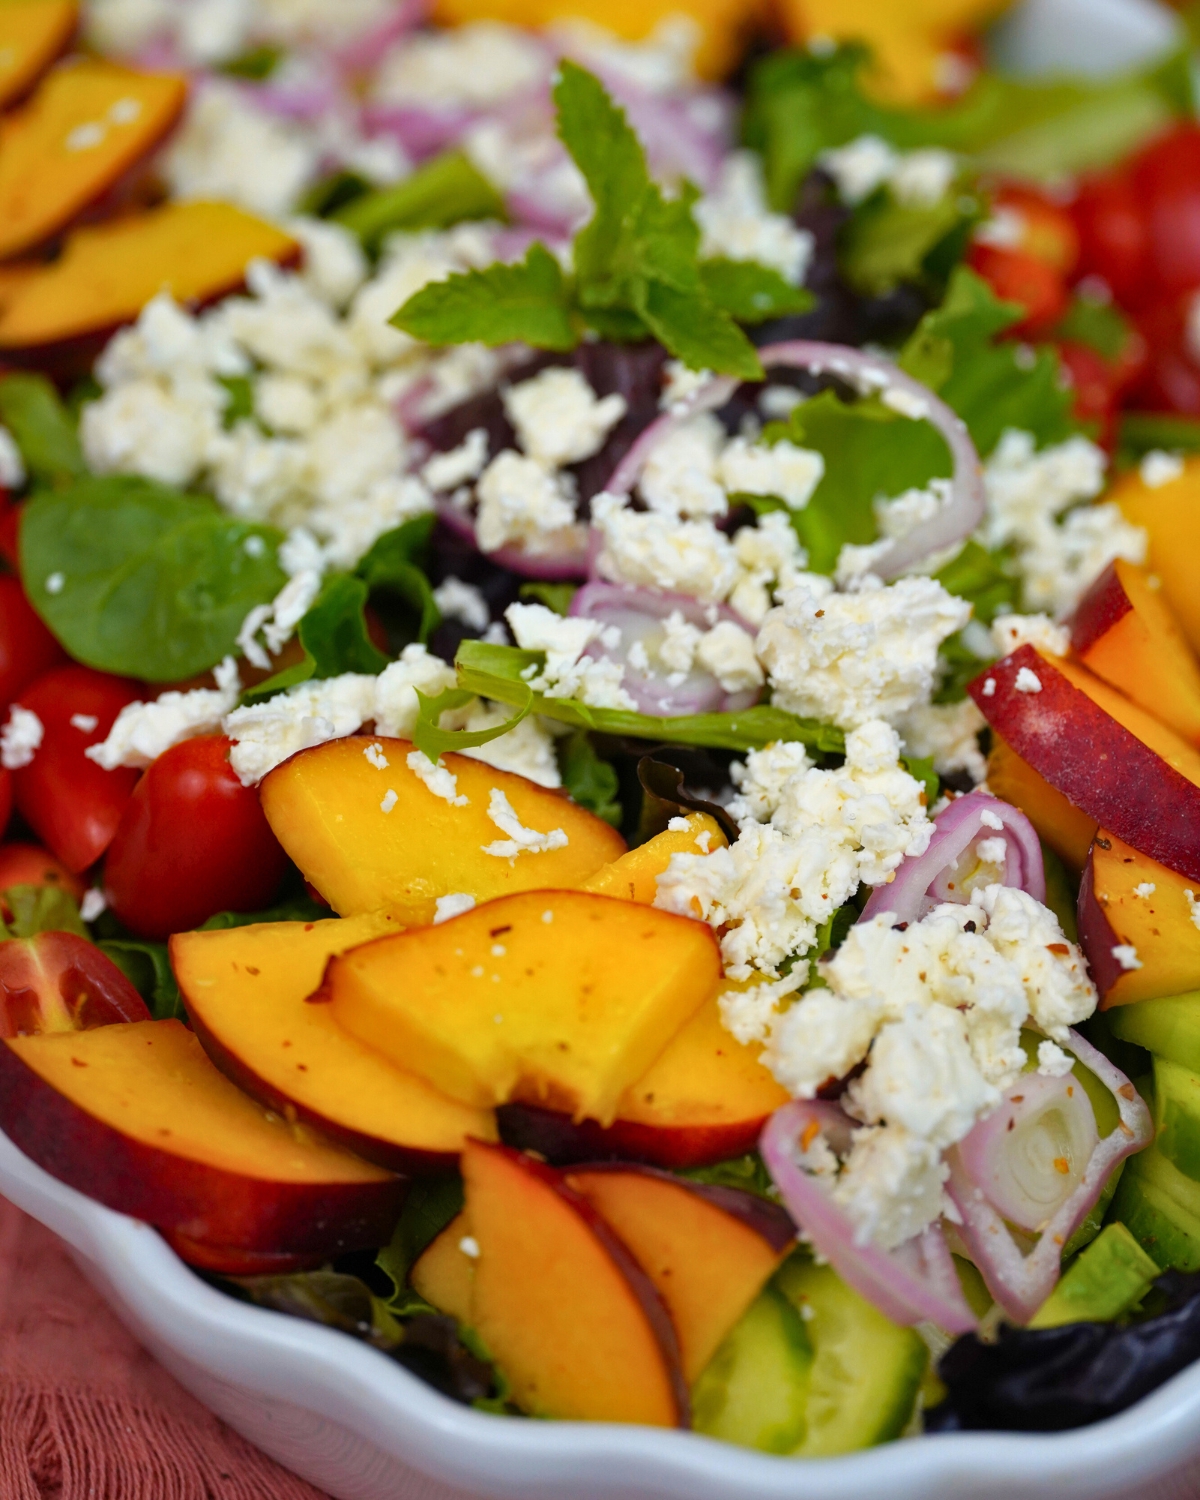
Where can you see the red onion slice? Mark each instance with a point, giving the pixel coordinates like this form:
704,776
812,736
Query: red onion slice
1021,1283
955,519
925,880
914,1283
565,559
639,614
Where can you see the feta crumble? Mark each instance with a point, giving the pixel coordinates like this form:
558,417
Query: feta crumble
142,732
21,738
464,602
446,471
374,754
947,733
558,418
736,222
12,465
520,501
652,550
1158,468
1011,631
390,798
1145,890
436,777
520,840
1127,956
1027,681
784,470
453,905
569,672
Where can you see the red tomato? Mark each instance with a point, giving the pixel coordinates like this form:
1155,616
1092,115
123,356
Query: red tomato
1094,382
10,526
58,981
1047,229
1017,276
69,801
5,800
1167,182
27,649
193,841
1114,235
1170,380
27,864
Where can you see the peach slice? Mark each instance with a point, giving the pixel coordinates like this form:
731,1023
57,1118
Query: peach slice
370,835
1068,831
245,989
1128,900
1170,514
138,1118
1106,755
560,1304
88,123
32,34
708,1250
444,1273
558,997
705,1098
1125,632
108,272
634,877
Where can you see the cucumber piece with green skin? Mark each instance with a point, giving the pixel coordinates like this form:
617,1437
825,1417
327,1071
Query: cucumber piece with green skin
867,1370
754,1390
1177,1115
1161,1209
1112,1275
1169,1027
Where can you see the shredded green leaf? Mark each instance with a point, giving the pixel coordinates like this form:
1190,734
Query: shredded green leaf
441,192
885,242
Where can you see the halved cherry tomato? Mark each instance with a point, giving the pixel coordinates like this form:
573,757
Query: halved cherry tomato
1171,378
69,801
1095,385
10,527
193,841
29,864
1017,276
1167,180
1047,229
58,981
1114,236
27,649
6,798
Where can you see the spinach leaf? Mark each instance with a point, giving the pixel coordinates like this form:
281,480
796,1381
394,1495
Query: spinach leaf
590,780
441,192
333,637
42,429
148,968
136,578
38,908
986,578
298,909
429,1206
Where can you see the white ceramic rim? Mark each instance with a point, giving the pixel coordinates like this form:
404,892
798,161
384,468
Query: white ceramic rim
339,1379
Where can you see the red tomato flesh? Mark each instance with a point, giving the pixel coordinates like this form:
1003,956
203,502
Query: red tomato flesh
58,981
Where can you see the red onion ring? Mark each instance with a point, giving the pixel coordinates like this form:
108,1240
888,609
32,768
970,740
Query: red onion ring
922,882
566,561
911,1284
955,520
420,132
635,612
1021,1283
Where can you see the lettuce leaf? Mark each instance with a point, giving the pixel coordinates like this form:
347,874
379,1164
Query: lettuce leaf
440,192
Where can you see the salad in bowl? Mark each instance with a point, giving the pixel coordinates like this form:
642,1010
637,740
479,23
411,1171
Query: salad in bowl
601,743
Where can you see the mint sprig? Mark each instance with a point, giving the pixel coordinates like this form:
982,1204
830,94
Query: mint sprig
637,271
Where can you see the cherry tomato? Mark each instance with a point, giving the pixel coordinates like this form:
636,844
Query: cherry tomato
28,864
27,649
1047,229
1114,235
1017,276
6,799
10,526
58,981
1170,379
1167,181
1095,384
193,841
72,804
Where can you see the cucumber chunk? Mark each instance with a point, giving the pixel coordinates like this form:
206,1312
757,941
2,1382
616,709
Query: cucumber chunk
1177,1115
1169,1028
1111,1276
866,1372
754,1390
1161,1209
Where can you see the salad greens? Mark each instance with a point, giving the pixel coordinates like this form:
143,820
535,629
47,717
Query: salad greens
39,908
637,266
440,192
136,578
588,778
42,429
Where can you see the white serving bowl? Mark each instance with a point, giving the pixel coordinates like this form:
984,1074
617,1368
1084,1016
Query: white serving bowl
358,1425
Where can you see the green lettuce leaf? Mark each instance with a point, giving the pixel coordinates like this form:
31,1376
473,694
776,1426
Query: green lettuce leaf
147,966
986,578
444,191
396,565
590,780
885,242
1142,432
136,578
42,429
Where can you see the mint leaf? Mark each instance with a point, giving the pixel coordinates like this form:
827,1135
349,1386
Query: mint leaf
441,192
696,332
395,563
992,385
333,636
504,304
42,429
749,292
591,781
496,672
145,581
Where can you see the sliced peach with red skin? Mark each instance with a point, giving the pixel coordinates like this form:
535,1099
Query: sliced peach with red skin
705,1098
560,1304
109,271
84,128
1170,514
245,990
557,997
1059,823
1106,755
708,1250
58,981
444,1273
32,34
1129,901
1125,632
370,835
139,1119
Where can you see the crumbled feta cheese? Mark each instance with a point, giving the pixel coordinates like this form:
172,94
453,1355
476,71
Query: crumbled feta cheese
374,753
923,178
736,222
334,264
85,723
770,558
142,732
20,738
948,733
783,470
474,66
849,657
1158,468
1127,956
12,465
679,477
520,501
436,777
93,905
520,840
1145,890
453,905
676,650
525,750
446,471
651,550
727,651
1011,631
569,672
681,385
390,798
464,602
558,418
859,167
1193,908
1053,1062
1027,681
